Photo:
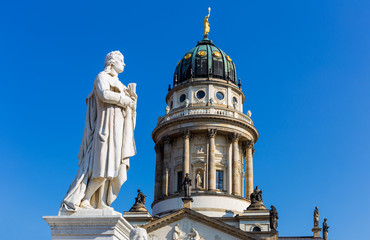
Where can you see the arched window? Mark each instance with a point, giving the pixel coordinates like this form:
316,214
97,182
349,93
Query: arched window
256,229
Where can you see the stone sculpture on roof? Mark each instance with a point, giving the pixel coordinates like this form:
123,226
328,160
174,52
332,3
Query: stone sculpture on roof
316,217
273,218
325,229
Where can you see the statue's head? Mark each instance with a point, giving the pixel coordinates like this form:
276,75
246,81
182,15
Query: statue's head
325,219
138,190
138,233
114,60
177,227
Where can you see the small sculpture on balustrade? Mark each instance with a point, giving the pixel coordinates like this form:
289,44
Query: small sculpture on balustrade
316,217
187,186
325,229
273,218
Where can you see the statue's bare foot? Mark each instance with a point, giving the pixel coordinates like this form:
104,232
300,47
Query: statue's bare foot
104,206
86,204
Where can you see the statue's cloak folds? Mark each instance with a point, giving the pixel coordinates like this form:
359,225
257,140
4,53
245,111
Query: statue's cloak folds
107,144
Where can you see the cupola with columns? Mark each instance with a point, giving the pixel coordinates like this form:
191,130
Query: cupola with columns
205,134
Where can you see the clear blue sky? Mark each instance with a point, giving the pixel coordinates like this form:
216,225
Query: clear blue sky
305,72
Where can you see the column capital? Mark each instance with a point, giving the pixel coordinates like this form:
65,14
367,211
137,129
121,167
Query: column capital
166,139
186,133
212,132
250,144
158,148
235,136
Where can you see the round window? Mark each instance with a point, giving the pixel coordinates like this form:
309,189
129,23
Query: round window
182,98
235,100
201,94
220,95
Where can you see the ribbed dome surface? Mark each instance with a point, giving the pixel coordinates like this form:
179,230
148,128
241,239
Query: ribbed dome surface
203,61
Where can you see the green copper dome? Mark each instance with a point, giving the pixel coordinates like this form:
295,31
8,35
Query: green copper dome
205,61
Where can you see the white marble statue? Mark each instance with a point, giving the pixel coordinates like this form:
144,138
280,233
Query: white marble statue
194,235
138,233
176,232
108,140
198,181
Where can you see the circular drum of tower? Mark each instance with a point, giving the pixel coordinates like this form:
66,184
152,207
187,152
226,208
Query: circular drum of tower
206,135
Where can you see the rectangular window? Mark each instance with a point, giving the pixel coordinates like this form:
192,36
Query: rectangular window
179,181
219,179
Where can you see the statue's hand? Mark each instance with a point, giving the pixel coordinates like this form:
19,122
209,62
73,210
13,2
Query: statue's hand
132,105
125,101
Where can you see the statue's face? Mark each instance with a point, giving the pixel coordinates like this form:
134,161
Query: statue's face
119,64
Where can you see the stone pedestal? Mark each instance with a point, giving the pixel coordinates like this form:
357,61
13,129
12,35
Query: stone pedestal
255,219
316,232
187,202
257,206
89,224
138,218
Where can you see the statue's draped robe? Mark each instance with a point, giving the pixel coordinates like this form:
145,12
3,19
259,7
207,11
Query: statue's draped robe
107,144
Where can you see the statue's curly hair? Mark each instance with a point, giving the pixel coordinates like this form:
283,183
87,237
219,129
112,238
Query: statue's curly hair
109,59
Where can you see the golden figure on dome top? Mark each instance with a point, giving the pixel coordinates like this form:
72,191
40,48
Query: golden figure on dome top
206,23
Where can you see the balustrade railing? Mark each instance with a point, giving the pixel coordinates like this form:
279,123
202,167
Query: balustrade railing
205,111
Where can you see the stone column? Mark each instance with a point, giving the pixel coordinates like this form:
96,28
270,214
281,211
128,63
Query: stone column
212,162
158,172
186,162
249,177
165,183
236,164
166,160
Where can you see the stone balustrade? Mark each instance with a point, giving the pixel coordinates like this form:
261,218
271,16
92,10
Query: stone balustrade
208,110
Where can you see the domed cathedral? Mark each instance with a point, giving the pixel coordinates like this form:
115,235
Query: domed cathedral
204,157
206,135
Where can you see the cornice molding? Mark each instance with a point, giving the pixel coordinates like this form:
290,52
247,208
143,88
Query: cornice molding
176,121
213,222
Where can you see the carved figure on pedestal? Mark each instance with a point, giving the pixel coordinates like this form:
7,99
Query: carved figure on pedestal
256,200
325,229
108,140
187,186
273,218
140,197
256,195
316,217
139,205
138,233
